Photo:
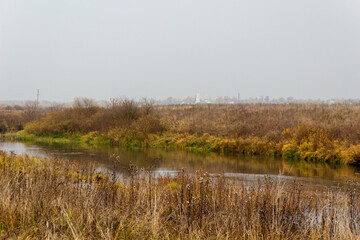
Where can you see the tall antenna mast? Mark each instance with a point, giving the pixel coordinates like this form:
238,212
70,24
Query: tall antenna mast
37,99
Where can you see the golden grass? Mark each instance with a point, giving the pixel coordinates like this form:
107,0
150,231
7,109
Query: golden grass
51,199
341,122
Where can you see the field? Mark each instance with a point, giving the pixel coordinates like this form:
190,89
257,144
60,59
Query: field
42,199
262,120
311,132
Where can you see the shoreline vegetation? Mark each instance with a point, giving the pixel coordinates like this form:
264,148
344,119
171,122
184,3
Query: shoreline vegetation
310,132
62,200
338,154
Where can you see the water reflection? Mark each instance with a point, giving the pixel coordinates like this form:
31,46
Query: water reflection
162,161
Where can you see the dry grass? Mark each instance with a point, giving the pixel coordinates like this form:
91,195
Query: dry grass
341,122
50,199
312,132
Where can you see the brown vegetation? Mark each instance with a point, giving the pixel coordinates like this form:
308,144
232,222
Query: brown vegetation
11,121
14,118
340,122
314,132
85,116
57,200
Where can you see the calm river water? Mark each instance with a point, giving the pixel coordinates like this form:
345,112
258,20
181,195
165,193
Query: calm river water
169,162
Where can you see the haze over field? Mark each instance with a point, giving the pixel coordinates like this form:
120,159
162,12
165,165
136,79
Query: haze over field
161,48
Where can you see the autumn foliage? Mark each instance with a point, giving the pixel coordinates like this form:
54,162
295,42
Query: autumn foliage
312,132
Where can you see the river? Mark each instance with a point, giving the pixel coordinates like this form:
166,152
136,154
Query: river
162,161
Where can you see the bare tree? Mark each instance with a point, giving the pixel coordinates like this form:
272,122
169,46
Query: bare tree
147,106
29,111
86,103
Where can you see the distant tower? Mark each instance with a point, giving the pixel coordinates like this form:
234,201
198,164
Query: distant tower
37,99
197,98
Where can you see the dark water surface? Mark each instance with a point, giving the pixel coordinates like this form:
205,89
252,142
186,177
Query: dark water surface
170,162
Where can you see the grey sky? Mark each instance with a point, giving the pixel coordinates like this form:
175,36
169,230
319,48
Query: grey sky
161,48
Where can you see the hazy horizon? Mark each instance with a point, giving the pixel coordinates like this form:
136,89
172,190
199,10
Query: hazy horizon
167,100
156,49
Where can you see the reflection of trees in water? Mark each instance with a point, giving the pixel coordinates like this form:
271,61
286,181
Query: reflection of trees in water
150,160
190,162
120,160
322,170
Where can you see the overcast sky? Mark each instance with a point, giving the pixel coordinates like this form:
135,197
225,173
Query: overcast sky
160,48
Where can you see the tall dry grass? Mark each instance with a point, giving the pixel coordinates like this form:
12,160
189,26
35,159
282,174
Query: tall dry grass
52,199
341,122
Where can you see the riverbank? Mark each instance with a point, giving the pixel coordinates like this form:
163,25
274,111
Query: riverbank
62,200
314,146
309,132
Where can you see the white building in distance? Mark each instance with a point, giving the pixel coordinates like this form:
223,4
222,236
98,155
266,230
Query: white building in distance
197,98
